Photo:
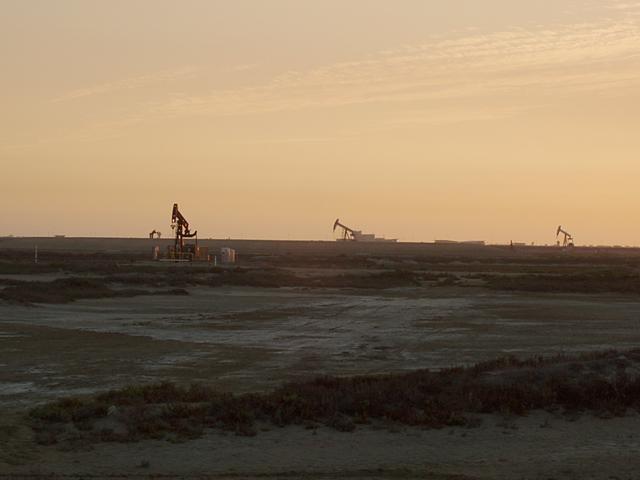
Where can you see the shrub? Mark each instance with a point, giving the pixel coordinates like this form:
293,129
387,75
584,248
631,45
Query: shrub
420,398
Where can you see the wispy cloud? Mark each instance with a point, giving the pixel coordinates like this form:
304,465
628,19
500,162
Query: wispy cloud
562,59
626,6
244,67
128,84
468,76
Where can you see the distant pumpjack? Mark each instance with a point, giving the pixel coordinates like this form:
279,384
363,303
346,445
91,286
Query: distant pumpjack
181,227
347,233
567,240
155,234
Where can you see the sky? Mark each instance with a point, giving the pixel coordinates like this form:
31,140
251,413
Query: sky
491,120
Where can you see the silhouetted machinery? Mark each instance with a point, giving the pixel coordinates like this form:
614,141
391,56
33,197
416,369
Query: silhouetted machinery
155,234
347,233
180,250
567,240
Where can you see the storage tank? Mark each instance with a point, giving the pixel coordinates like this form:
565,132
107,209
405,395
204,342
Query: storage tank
227,255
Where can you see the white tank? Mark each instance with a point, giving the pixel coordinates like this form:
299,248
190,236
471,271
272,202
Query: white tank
227,255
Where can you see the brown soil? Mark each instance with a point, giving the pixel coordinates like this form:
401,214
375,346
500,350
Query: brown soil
318,313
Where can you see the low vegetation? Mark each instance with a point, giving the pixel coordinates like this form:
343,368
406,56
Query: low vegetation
173,282
599,281
553,271
605,383
65,290
268,278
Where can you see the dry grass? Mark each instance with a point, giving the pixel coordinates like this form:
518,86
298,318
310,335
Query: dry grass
599,383
621,281
267,278
598,281
548,272
67,290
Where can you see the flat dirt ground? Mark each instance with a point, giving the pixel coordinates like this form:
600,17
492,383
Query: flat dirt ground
316,314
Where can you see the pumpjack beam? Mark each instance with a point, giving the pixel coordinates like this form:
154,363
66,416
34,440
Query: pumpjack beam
347,233
567,240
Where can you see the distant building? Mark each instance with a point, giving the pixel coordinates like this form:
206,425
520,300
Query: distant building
358,236
456,242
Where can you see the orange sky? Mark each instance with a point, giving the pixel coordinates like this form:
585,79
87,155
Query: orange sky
414,119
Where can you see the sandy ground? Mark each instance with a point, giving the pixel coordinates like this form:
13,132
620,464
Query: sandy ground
248,339
540,446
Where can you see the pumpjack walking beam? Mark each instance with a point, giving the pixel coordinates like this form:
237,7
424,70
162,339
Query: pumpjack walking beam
567,241
347,233
181,226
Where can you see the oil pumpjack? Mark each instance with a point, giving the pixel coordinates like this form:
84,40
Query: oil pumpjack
567,241
347,233
181,251
351,235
